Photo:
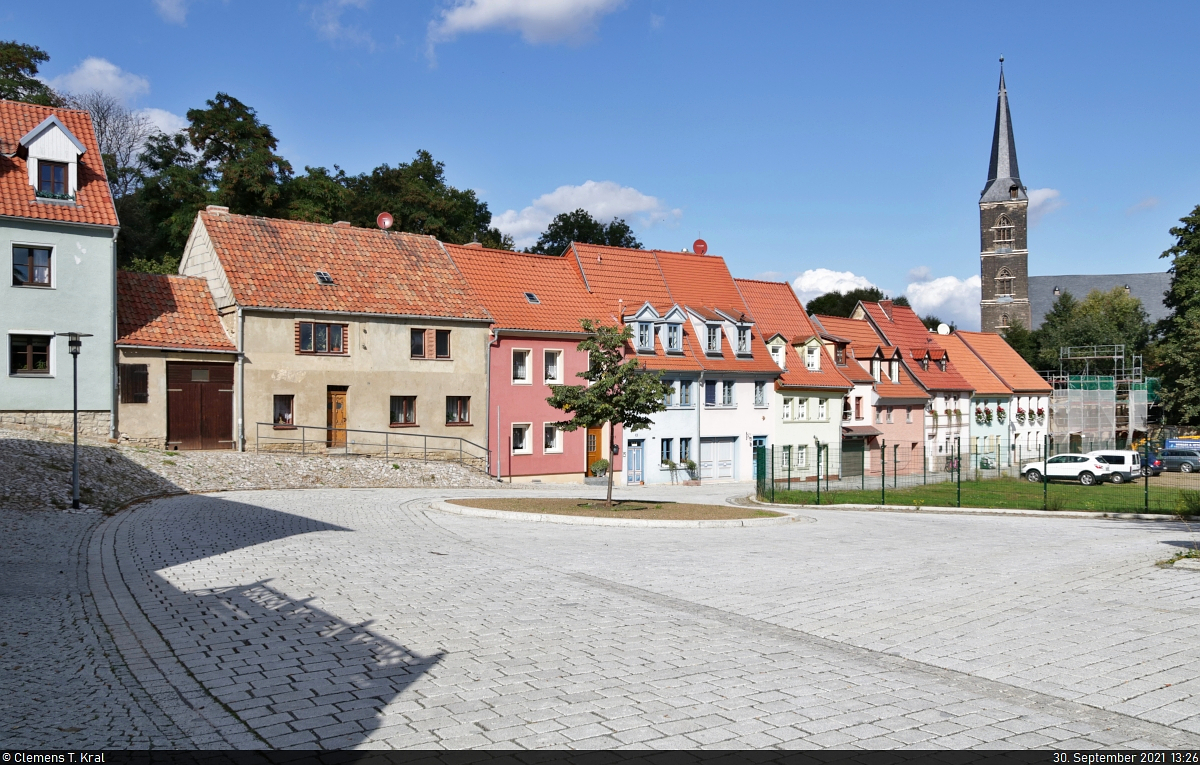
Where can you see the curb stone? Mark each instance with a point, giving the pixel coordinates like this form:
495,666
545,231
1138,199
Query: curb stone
583,520
985,511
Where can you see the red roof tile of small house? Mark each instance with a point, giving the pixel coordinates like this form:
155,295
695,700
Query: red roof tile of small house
900,326
972,368
93,201
161,311
1005,363
271,263
777,311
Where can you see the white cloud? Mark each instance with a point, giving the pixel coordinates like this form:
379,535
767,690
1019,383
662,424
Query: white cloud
604,200
327,18
1042,202
948,297
102,75
538,21
818,281
920,274
164,120
1146,204
172,11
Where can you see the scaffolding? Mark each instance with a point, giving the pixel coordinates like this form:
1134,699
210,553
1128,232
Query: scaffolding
1100,397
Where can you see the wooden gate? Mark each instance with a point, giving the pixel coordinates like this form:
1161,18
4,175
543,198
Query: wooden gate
199,405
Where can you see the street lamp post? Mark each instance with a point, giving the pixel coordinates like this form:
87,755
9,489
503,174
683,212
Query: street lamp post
74,345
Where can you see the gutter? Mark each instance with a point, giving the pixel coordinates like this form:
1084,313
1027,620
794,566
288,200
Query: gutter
230,352
241,362
362,314
113,425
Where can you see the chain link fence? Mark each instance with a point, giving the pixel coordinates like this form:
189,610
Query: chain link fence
988,472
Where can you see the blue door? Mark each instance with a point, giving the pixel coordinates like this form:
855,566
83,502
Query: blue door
633,456
754,445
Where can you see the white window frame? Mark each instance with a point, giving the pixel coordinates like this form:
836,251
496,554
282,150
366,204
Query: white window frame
685,454
528,366
802,409
669,443
528,428
558,365
53,266
714,332
787,408
646,332
894,370
812,358
743,333
728,387
672,396
889,415
558,439
674,337
686,385
801,455
822,409
761,401
877,369
51,350
778,355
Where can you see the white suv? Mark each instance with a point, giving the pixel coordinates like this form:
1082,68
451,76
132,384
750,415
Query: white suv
1086,469
1126,465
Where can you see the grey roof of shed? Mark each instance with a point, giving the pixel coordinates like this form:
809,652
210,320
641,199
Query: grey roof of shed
1149,288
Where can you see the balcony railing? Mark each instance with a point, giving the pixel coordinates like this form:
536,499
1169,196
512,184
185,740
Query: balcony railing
317,440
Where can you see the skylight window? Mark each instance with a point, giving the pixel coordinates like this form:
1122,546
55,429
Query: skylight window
532,298
323,278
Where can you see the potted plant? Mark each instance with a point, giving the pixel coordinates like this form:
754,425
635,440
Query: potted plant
933,414
1020,416
599,468
1041,415
1000,414
979,419
987,415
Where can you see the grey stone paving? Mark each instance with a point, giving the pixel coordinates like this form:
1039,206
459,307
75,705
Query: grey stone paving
361,618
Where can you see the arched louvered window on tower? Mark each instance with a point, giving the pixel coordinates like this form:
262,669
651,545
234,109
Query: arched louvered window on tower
1004,283
1004,232
1003,321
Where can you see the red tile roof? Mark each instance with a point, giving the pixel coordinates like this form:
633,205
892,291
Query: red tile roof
777,311
972,368
159,311
864,341
271,263
501,278
93,201
900,326
1006,363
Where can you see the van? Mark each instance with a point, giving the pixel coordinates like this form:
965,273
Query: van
1126,465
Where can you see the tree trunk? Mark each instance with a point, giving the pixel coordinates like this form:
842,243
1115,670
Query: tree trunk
612,464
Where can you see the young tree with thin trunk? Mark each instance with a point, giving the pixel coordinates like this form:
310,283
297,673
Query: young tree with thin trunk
619,391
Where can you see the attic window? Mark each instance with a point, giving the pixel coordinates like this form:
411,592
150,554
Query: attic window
839,357
323,278
532,298
52,178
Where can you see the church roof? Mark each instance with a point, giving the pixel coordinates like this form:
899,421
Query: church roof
1148,288
1002,170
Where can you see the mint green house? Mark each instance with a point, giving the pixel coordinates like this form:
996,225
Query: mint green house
57,229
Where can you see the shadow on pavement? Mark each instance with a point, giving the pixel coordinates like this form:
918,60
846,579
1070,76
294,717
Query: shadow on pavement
297,675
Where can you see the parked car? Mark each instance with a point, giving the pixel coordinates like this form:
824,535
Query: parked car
1183,460
1086,469
1152,464
1126,465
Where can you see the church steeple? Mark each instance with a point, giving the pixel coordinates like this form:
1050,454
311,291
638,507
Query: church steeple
1004,180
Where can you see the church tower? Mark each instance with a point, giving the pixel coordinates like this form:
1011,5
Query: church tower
1003,228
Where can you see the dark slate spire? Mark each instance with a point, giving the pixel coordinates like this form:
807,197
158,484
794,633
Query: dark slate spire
1002,171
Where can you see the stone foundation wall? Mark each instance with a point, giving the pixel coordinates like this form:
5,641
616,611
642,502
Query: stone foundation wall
93,424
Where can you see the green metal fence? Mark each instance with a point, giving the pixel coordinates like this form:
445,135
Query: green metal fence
985,473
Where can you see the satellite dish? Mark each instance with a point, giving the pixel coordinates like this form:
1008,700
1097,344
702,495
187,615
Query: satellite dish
943,329
384,220
699,246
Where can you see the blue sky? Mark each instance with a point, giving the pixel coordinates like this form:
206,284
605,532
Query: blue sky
792,137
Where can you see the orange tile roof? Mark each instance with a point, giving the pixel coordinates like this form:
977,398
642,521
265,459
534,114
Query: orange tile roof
864,341
270,263
972,368
93,201
501,278
618,274
1006,363
160,311
900,326
777,311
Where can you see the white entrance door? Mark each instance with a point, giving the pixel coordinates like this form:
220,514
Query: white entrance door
707,448
716,458
725,459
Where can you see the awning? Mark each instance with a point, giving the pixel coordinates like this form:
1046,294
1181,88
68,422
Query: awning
860,431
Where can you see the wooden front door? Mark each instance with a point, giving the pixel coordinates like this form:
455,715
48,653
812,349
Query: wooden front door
595,438
335,418
199,405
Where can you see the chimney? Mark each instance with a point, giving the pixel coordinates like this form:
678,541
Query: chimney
218,209
342,224
474,244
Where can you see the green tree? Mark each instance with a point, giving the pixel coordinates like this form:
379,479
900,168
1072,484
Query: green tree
1101,318
618,391
1023,341
932,322
1059,329
157,219
318,196
1178,361
580,226
237,151
18,74
422,202
842,303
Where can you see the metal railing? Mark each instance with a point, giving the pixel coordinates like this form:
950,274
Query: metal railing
319,440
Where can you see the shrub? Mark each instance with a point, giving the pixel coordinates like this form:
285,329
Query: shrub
599,467
1188,502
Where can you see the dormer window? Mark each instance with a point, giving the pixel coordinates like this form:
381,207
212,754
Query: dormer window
925,363
839,354
942,363
894,371
53,178
876,368
673,339
743,340
714,338
812,358
777,355
645,336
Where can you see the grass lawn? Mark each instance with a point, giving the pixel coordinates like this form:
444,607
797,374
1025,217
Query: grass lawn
1016,493
658,511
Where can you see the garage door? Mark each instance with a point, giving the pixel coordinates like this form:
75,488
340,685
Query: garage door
199,405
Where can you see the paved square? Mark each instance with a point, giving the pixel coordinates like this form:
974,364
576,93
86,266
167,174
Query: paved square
347,618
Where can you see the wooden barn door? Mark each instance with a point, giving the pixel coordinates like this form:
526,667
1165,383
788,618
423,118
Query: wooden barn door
199,405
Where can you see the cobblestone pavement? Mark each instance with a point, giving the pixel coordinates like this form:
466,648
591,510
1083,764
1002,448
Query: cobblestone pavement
362,618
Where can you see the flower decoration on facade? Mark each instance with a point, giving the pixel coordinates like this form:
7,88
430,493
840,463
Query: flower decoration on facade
1020,415
987,415
1041,414
978,415
1000,414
